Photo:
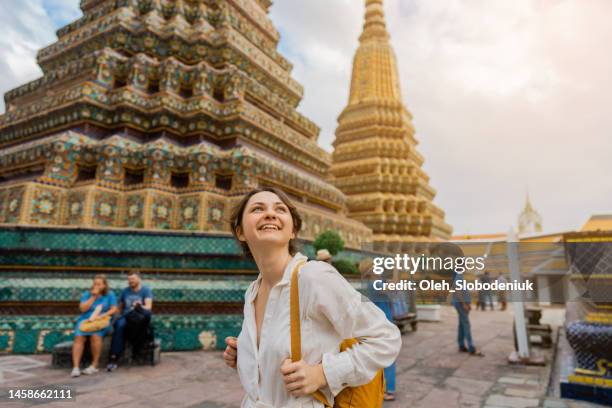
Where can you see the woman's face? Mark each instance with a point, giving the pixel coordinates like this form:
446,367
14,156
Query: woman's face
99,285
266,220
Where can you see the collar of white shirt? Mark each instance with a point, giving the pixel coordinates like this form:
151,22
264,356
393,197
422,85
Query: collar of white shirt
285,280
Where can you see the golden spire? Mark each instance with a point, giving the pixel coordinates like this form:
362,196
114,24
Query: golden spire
375,76
374,26
530,220
375,160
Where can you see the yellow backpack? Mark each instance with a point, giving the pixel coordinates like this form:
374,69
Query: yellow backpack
365,396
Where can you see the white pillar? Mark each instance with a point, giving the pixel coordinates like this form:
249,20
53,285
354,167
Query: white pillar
544,293
517,297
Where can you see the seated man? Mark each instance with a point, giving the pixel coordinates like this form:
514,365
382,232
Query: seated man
136,297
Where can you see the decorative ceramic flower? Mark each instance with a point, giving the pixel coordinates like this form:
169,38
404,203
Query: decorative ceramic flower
13,205
216,214
75,208
162,212
45,206
105,209
188,213
133,210
207,339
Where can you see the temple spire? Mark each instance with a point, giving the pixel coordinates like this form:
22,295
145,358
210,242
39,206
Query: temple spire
374,26
530,220
375,76
375,160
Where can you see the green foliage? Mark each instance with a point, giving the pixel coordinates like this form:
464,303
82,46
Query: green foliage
344,266
329,240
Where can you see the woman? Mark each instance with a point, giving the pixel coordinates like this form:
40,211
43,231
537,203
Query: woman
266,223
97,302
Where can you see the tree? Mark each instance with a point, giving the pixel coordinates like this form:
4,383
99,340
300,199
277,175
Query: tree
345,266
329,240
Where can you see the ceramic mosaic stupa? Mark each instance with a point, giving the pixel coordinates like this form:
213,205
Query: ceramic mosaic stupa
375,161
155,114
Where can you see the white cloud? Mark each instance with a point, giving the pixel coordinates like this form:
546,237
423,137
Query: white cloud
26,29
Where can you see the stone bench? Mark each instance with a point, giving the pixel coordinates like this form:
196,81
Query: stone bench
404,320
403,315
539,335
533,315
542,333
62,354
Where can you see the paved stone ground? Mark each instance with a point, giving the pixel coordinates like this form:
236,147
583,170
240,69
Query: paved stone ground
430,374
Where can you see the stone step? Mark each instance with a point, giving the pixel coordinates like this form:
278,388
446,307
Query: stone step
70,289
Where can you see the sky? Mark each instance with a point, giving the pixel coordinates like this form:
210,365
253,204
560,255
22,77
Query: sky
508,96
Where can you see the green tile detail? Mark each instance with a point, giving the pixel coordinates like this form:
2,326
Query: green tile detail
70,289
4,342
186,339
83,240
130,249
126,261
53,338
177,332
25,341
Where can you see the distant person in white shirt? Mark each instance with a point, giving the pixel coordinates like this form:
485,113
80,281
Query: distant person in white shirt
323,255
266,223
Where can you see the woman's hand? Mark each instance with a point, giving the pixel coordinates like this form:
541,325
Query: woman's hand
230,354
301,378
95,291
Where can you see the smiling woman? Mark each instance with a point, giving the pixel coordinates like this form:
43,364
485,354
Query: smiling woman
282,204
274,370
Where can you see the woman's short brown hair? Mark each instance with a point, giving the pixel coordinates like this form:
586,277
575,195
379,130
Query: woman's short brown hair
238,212
106,287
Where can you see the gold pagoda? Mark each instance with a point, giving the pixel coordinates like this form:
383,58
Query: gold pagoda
156,115
375,161
529,221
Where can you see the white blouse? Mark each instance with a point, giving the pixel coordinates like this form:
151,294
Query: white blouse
331,310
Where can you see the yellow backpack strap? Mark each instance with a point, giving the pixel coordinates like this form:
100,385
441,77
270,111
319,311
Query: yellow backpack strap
294,321
294,313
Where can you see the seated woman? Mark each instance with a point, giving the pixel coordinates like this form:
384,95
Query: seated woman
96,303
